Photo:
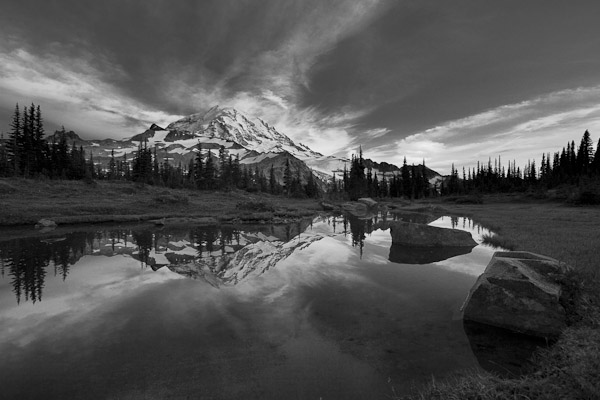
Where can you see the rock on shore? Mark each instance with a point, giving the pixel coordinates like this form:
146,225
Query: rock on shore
519,291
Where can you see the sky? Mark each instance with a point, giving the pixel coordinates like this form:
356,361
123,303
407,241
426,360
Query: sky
435,80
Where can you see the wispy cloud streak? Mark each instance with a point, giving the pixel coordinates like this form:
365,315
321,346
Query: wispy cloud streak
520,131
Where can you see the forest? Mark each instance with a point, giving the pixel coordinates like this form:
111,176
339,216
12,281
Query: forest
27,153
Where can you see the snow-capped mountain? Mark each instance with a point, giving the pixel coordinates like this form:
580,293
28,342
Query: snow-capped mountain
231,125
257,144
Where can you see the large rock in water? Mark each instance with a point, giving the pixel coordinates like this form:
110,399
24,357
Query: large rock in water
411,234
519,291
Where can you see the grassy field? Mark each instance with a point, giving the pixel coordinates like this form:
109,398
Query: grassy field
24,202
570,369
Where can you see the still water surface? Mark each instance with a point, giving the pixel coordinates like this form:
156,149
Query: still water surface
306,311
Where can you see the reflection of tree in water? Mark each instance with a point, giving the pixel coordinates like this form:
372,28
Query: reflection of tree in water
359,227
208,240
26,261
144,241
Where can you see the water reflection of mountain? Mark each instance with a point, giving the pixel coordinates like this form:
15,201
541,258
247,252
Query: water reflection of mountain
221,256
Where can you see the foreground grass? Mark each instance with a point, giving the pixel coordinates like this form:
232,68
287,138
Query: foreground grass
570,369
26,201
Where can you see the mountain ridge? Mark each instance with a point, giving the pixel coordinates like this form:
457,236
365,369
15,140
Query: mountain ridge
257,144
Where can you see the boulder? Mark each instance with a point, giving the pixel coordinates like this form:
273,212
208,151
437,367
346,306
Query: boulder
45,223
519,291
420,235
354,208
413,216
367,201
328,206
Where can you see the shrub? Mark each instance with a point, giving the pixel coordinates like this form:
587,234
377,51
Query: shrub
255,206
472,199
168,198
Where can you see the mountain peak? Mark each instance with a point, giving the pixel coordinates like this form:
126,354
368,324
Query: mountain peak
230,124
70,136
155,127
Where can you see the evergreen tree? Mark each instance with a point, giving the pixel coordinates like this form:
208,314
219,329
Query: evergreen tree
312,190
357,183
142,164
224,173
236,171
425,182
272,181
585,154
39,142
595,166
210,173
287,178
112,166
14,142
199,168
405,175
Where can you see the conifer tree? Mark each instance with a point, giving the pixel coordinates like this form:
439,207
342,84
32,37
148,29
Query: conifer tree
210,174
112,166
595,166
199,167
4,164
585,154
224,173
272,181
14,143
287,178
405,175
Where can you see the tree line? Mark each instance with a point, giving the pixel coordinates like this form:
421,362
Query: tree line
575,166
27,153
362,181
208,171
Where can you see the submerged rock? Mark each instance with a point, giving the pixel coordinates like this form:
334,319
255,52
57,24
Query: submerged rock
328,206
420,235
519,291
501,351
355,208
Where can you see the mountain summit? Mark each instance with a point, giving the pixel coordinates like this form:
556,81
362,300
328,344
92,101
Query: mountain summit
231,125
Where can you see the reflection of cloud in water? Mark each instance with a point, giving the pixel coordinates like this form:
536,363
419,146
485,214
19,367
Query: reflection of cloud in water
322,260
380,238
91,284
471,264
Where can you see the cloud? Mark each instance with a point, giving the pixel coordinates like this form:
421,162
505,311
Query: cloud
72,93
257,58
520,132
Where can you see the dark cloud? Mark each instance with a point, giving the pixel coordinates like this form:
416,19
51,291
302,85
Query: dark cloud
372,70
429,62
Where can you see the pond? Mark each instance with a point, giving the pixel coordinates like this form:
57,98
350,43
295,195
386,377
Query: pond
308,310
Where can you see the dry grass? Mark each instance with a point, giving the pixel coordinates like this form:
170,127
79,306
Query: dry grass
25,201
